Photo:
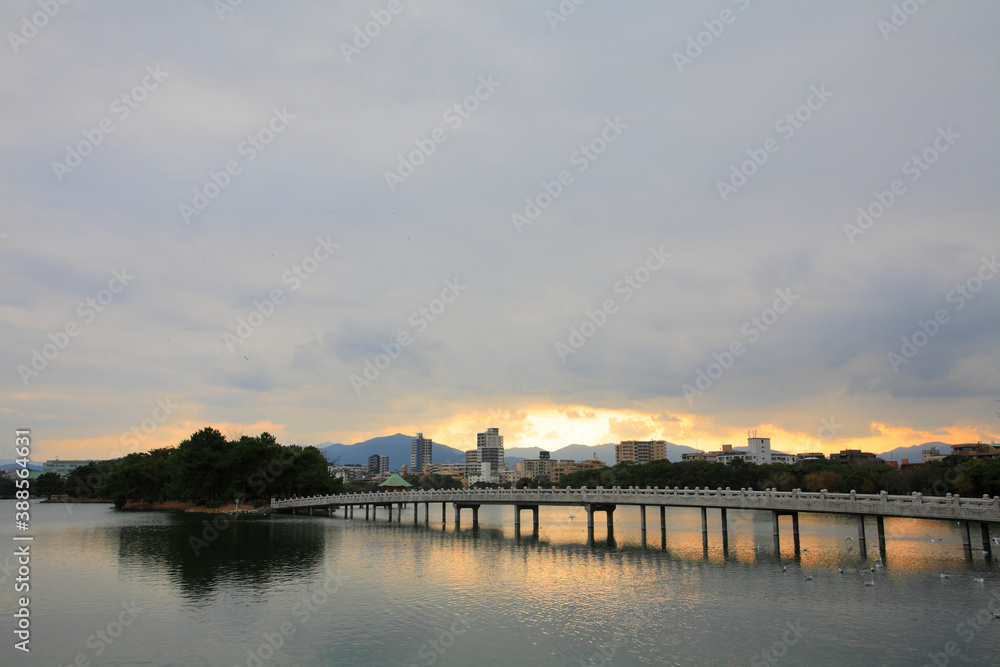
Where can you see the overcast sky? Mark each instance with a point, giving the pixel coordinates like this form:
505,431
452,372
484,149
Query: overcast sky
260,200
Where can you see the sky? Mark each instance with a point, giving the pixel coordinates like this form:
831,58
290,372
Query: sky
580,223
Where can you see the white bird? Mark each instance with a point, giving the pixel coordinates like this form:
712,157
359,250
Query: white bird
979,581
572,516
995,615
784,568
840,570
945,576
996,540
848,538
805,550
869,583
809,578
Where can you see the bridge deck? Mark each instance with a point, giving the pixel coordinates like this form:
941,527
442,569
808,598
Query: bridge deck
950,507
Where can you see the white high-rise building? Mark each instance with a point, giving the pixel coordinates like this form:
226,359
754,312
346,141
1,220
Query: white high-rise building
760,449
489,447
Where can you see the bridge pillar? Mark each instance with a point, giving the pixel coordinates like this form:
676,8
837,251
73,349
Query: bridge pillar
399,514
880,525
414,514
534,520
774,530
966,539
725,530
984,529
862,544
795,532
458,516
427,513
517,521
704,528
444,515
475,517
642,523
663,527
590,524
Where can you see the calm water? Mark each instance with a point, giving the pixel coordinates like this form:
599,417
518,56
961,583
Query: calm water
356,593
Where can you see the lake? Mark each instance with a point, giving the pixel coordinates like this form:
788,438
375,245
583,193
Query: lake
115,588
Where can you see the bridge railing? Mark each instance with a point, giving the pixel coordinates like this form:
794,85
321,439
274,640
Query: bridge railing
634,495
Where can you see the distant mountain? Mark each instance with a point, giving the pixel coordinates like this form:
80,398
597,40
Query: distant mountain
396,447
914,453
10,464
605,452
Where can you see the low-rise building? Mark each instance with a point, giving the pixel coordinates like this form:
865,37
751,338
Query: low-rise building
855,457
976,450
562,468
349,472
67,466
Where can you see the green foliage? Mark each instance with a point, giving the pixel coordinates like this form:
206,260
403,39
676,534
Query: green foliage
259,502
955,474
213,504
209,470
433,481
48,484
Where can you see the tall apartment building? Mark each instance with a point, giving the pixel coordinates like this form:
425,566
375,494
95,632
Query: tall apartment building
378,464
759,450
640,451
489,449
420,453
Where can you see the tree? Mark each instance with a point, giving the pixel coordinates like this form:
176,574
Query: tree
49,484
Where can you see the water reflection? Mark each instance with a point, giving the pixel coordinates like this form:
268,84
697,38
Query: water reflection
203,552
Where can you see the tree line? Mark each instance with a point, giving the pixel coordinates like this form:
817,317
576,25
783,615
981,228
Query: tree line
206,468
954,474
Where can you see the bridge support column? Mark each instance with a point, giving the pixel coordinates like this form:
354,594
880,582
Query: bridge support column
517,521
984,529
475,517
880,525
534,520
966,538
414,514
663,527
427,514
725,530
862,544
642,523
590,525
399,514
390,512
704,528
774,530
795,532
458,516
444,514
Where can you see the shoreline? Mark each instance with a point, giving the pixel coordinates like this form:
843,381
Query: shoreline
169,506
